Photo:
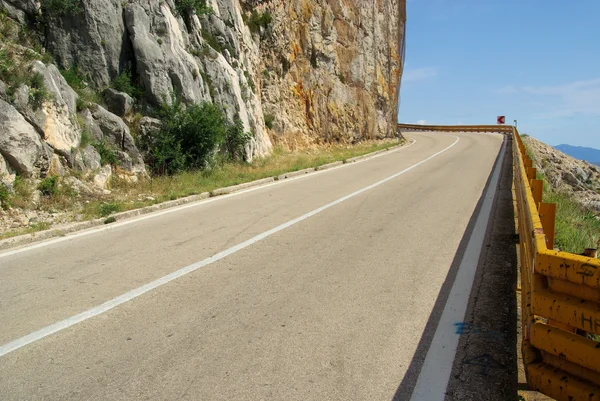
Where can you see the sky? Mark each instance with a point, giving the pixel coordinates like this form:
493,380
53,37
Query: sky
534,61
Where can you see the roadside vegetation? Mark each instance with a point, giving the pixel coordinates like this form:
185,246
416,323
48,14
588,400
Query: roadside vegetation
577,227
160,188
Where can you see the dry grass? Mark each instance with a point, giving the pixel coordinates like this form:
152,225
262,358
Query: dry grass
126,196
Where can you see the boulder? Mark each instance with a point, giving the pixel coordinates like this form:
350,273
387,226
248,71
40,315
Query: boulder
56,167
149,126
7,174
124,160
95,40
570,179
595,205
3,94
77,186
91,158
57,117
114,130
91,126
102,179
119,103
20,144
21,98
86,159
581,174
15,9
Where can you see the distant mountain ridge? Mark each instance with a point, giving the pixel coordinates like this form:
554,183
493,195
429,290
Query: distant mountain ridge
580,152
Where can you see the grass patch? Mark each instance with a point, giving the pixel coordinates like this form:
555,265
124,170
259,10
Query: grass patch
107,154
165,188
4,197
26,230
124,83
106,209
48,186
190,7
577,228
126,196
15,71
77,80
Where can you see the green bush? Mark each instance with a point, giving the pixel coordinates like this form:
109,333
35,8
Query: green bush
4,196
77,80
188,138
257,21
123,83
59,8
86,139
74,78
109,208
269,120
38,92
16,73
48,186
235,140
190,7
250,81
107,155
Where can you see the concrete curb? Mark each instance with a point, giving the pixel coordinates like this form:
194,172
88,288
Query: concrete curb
369,155
61,231
295,173
239,187
329,165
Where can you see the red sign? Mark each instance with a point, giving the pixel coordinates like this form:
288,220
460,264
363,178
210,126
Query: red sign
501,119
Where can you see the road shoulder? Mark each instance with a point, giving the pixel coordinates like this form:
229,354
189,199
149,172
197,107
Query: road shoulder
485,367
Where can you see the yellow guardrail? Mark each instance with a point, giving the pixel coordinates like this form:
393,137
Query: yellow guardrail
560,296
507,129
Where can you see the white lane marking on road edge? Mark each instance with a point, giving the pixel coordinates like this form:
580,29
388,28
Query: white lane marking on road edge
435,372
128,296
152,215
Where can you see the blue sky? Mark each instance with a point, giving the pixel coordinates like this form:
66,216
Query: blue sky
468,61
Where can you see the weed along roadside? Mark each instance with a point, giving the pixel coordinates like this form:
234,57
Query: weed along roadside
577,225
127,200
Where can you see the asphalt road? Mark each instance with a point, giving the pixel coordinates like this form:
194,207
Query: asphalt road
330,304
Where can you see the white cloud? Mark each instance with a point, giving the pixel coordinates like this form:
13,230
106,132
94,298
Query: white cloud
507,89
565,100
421,122
419,74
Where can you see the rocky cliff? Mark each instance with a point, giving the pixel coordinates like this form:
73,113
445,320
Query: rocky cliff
566,174
294,73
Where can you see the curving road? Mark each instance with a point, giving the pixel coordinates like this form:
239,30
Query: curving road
320,289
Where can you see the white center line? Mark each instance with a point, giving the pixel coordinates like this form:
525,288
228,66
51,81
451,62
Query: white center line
113,303
114,226
435,373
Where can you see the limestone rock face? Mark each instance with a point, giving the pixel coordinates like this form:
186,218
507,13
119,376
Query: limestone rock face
567,174
331,68
94,39
318,70
20,144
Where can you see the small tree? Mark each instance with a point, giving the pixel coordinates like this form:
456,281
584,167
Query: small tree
236,139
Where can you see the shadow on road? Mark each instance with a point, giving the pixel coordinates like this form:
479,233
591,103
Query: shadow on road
485,367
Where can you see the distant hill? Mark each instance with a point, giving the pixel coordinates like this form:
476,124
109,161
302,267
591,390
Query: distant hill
579,152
